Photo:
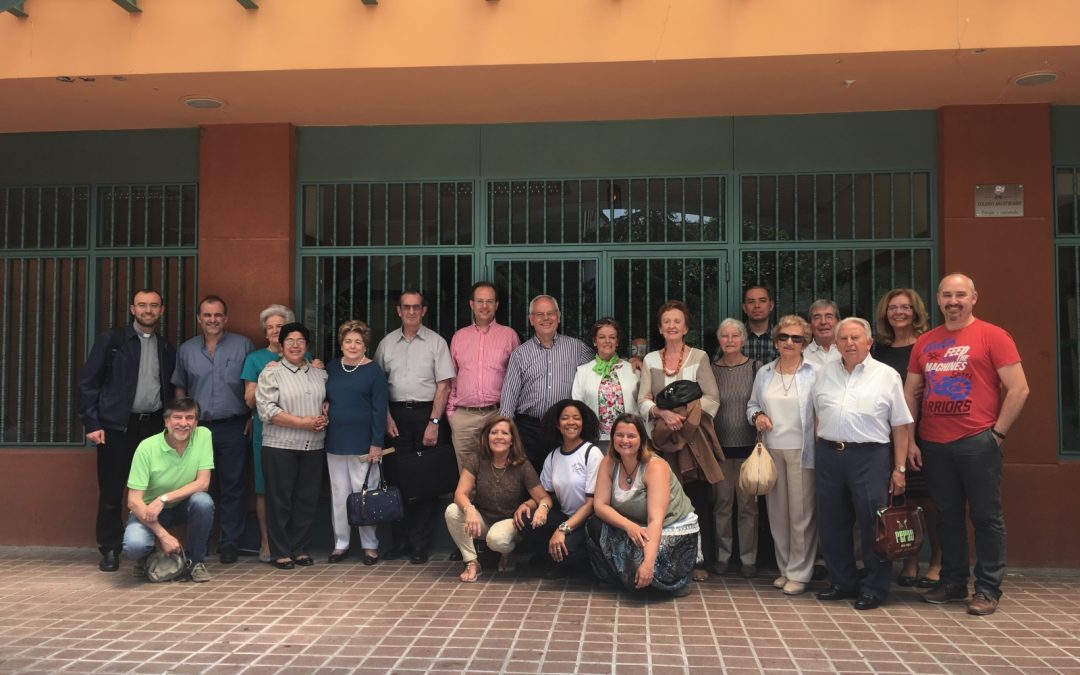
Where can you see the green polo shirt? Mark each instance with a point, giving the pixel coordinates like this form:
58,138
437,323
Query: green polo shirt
156,468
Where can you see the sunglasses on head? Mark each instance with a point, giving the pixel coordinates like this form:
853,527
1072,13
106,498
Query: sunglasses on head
797,339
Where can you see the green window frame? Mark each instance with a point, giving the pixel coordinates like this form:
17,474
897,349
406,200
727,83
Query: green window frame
72,256
1067,298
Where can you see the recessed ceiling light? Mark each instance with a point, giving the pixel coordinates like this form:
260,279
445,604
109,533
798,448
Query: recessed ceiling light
119,78
86,78
65,78
1035,79
203,102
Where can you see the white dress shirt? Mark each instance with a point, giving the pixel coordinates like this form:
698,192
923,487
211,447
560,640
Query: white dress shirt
862,406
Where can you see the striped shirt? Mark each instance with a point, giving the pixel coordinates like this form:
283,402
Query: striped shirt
480,356
298,391
538,377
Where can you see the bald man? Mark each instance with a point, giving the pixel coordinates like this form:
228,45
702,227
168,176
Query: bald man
958,371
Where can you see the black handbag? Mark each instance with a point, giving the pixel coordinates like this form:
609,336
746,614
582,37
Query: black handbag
375,505
678,394
425,472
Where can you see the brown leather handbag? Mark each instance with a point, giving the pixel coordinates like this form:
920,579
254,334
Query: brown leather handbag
900,530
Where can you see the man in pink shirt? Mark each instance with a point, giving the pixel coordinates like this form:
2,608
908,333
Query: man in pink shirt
480,352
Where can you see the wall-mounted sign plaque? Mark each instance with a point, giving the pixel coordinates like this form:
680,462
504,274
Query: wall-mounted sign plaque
999,201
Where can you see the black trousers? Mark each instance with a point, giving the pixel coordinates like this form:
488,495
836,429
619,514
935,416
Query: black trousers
113,466
417,527
700,493
293,482
537,540
532,437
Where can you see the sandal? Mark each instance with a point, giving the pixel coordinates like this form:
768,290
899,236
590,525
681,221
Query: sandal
700,574
474,567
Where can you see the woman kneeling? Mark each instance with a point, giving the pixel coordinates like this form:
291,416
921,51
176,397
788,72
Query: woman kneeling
492,486
647,534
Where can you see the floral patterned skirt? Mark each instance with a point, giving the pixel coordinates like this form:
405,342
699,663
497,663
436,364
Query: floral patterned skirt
615,558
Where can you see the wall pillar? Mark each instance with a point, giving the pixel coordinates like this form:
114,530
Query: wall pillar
247,215
1011,261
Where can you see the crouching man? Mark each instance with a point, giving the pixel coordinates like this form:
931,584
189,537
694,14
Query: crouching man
167,486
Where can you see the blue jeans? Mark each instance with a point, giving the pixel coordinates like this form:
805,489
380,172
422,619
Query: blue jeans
197,511
230,476
967,474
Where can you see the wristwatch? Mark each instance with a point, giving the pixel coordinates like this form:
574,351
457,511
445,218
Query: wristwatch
901,468
164,500
434,420
565,528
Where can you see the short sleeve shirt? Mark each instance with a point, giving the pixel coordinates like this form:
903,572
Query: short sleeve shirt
962,389
571,476
499,492
413,367
156,468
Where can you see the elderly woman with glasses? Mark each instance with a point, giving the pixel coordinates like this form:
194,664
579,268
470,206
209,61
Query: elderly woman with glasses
290,402
608,383
780,408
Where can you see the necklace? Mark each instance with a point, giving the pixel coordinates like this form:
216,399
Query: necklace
787,385
629,475
497,476
347,369
678,367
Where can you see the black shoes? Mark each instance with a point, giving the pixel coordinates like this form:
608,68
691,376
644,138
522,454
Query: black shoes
396,552
229,553
867,601
834,592
283,564
418,558
337,557
559,572
110,562
370,560
304,560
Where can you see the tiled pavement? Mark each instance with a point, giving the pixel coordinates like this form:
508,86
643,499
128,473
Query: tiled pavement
59,614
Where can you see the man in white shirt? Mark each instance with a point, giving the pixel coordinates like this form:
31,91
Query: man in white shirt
823,316
860,407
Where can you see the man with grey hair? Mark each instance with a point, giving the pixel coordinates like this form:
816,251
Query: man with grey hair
540,373
823,316
864,430
959,370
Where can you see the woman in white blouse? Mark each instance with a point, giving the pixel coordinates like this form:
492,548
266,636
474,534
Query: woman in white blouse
781,410
607,384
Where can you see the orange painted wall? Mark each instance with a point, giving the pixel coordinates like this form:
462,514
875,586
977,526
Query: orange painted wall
1011,261
247,211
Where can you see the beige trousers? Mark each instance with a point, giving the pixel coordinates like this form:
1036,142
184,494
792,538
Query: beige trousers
465,427
725,494
501,536
793,515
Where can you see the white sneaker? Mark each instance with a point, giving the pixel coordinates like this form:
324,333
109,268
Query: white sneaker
779,581
199,573
794,588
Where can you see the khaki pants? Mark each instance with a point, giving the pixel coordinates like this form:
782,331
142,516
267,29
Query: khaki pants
465,427
793,515
502,536
726,492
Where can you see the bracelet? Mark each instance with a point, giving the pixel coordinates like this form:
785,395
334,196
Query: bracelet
997,433
545,505
753,418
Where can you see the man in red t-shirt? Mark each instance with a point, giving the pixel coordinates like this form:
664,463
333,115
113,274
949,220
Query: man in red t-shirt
958,371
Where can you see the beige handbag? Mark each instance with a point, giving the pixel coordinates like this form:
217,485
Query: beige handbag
758,473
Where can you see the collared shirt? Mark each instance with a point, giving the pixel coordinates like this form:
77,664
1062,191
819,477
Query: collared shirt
760,347
157,468
538,377
296,390
862,406
148,386
414,366
214,380
819,356
480,356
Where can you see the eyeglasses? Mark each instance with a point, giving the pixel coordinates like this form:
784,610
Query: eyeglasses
295,342
795,339
545,315
411,308
485,302
899,308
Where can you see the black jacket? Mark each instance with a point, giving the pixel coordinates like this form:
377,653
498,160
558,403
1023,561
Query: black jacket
105,399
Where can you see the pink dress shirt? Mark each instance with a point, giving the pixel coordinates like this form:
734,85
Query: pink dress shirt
480,356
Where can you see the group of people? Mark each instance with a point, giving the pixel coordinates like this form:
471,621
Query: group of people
625,468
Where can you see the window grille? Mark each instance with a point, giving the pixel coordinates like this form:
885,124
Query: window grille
1067,244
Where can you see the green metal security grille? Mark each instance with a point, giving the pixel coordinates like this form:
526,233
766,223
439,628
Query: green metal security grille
1067,254
72,258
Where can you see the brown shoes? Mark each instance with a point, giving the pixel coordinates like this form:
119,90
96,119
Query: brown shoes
982,604
946,593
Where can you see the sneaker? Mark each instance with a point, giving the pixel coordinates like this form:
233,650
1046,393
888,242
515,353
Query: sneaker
748,571
139,570
982,604
946,593
199,573
794,588
779,581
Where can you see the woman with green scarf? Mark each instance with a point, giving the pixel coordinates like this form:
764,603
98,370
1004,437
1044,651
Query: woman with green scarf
608,384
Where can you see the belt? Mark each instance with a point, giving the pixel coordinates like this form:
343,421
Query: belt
411,404
843,445
142,417
484,409
225,420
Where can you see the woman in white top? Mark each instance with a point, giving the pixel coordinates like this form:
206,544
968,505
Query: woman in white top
607,384
569,475
781,410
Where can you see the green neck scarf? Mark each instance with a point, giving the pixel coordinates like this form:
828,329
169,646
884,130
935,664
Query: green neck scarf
603,368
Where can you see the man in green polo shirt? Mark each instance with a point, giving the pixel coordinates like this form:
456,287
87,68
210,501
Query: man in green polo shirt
167,486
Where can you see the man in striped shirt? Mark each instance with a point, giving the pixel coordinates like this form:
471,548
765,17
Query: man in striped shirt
480,352
540,373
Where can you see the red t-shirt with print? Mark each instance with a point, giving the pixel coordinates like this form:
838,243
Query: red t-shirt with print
962,390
